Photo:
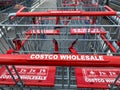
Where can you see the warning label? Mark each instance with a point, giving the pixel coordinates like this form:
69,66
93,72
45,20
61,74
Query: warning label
48,32
97,75
85,30
30,75
93,77
26,73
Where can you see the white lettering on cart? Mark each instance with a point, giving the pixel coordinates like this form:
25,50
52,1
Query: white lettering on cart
67,57
94,80
24,77
101,80
44,56
42,31
84,30
81,57
110,80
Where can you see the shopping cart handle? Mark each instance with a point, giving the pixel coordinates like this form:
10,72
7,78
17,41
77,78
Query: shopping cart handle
65,13
82,60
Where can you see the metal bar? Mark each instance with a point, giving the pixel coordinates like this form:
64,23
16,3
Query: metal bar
67,21
60,39
21,82
112,86
109,44
69,76
56,50
7,67
34,20
71,48
63,77
94,20
9,42
70,5
57,20
59,85
49,25
23,42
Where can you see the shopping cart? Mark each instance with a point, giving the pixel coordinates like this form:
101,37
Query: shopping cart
78,3
59,50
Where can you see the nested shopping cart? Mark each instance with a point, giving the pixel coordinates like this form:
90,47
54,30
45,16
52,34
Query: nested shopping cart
60,50
79,3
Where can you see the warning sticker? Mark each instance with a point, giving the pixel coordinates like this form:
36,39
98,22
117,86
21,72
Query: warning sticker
47,32
30,75
83,31
96,77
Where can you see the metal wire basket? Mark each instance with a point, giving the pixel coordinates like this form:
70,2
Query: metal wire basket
52,49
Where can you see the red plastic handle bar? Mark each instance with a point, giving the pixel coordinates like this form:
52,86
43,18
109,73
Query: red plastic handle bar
110,12
60,60
66,13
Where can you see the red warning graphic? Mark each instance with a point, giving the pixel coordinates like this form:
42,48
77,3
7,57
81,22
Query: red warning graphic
30,75
96,77
83,31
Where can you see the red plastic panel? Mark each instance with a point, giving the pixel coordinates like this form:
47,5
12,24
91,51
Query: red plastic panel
68,13
48,32
30,75
96,77
60,60
82,31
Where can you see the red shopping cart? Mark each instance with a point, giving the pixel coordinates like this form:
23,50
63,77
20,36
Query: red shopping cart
52,49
